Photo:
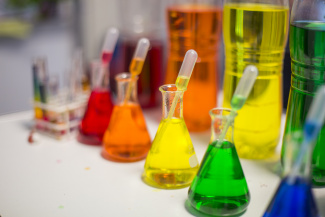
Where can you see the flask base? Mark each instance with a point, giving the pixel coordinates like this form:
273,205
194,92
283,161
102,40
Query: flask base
169,179
89,139
124,156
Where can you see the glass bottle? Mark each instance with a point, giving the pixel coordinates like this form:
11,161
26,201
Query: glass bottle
255,32
171,162
126,138
99,108
294,196
195,25
307,49
220,187
138,19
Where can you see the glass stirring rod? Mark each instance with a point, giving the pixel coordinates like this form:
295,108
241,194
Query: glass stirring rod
137,62
107,51
313,124
183,78
238,100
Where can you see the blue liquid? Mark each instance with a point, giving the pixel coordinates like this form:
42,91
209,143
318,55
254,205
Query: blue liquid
294,200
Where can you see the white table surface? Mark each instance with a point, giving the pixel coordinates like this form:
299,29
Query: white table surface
66,178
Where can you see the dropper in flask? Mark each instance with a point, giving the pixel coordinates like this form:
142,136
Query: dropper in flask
240,96
313,124
107,52
183,77
137,62
109,44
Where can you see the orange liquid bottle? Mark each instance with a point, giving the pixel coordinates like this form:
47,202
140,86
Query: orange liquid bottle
195,27
126,138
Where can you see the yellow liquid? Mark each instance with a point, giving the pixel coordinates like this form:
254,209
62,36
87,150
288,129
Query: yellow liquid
256,34
136,66
182,82
171,162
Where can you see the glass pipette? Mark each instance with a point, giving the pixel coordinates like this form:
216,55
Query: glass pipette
137,62
109,44
107,51
183,78
238,100
313,124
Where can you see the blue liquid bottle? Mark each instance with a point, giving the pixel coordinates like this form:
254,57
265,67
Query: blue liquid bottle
294,196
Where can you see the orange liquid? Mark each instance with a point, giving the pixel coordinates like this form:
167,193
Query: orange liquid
195,27
126,138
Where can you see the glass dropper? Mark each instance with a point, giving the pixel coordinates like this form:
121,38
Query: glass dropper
109,44
183,78
137,63
313,124
238,100
107,51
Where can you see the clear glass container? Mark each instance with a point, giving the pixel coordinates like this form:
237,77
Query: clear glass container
255,33
171,162
195,25
220,187
126,138
294,196
99,108
307,50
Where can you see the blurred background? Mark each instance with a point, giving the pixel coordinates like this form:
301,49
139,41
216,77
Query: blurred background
56,29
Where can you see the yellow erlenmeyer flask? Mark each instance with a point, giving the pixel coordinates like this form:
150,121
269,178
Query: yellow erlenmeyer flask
171,162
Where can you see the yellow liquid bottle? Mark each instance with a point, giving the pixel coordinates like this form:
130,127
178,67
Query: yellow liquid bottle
256,34
171,162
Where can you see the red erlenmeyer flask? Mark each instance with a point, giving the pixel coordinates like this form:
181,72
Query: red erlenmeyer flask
99,109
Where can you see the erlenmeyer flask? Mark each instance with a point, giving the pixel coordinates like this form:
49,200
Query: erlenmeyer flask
126,138
294,197
307,49
99,109
220,186
171,162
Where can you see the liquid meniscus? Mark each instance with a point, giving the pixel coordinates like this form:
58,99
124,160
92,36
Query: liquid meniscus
182,82
136,66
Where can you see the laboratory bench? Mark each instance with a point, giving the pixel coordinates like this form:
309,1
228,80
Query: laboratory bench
66,178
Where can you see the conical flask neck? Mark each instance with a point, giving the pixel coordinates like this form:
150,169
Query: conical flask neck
221,121
293,143
169,93
126,83
99,75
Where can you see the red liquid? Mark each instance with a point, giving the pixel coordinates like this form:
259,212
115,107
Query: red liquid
106,57
151,77
96,118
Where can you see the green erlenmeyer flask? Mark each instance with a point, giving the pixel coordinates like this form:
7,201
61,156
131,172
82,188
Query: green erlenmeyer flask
220,187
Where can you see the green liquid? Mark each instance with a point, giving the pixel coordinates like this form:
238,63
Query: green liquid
220,186
307,48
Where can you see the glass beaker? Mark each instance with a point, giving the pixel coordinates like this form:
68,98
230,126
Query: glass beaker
220,187
294,196
126,138
195,25
99,108
307,49
255,33
171,162
143,18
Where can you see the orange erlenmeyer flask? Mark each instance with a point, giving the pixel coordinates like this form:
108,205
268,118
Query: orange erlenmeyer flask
126,138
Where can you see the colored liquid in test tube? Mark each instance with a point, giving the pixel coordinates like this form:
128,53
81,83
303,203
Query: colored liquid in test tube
106,57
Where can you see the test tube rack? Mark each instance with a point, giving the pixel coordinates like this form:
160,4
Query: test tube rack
60,120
